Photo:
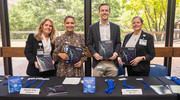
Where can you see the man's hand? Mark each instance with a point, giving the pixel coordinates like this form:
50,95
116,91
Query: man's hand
114,56
97,56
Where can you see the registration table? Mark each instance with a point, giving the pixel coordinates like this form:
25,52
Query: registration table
168,81
75,92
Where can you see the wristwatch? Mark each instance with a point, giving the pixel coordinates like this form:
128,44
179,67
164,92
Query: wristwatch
142,58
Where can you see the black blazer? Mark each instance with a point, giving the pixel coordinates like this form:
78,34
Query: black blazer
30,52
148,51
94,38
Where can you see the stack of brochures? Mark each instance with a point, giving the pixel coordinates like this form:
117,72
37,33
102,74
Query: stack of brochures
14,84
160,89
56,90
174,88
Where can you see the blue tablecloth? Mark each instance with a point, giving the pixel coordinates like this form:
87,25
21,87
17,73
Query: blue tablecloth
157,70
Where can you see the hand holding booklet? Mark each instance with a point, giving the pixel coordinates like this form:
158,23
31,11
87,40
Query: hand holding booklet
74,54
106,49
45,63
127,55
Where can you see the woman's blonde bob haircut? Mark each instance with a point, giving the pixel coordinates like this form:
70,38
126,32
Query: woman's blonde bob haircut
52,35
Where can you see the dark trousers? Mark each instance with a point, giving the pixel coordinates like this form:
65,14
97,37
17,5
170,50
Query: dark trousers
131,72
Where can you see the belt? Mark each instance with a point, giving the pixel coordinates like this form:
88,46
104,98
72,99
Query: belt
106,60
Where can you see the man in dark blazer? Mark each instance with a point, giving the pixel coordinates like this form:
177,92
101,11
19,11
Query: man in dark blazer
104,31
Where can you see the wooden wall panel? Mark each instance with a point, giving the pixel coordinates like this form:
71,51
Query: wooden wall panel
19,52
176,52
13,51
164,51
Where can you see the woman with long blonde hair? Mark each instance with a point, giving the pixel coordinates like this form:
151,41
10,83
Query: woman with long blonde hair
46,34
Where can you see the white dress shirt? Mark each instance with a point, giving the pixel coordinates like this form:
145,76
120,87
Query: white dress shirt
46,45
104,31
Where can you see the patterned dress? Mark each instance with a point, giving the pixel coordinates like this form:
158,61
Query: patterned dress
64,69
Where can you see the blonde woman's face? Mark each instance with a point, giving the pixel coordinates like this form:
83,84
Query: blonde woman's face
69,25
47,27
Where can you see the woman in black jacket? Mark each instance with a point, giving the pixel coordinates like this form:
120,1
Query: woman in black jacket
46,34
144,45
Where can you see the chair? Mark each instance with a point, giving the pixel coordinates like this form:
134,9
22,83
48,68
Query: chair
121,70
157,70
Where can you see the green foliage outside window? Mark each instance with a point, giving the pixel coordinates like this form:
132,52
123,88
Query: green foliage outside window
27,14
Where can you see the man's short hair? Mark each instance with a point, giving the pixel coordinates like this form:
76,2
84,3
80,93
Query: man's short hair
102,4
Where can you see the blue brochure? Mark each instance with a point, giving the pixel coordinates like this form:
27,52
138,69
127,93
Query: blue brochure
89,85
14,84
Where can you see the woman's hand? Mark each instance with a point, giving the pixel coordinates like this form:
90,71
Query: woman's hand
78,64
36,65
135,61
53,62
120,61
64,56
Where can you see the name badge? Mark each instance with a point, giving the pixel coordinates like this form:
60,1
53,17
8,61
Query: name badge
139,79
122,79
131,91
143,42
65,49
99,67
34,91
40,52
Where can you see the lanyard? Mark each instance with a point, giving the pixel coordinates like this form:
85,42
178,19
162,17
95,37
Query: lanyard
147,86
175,80
127,87
111,85
30,84
27,81
40,84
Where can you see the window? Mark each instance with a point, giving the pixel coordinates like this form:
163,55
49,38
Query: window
1,58
25,16
175,71
153,12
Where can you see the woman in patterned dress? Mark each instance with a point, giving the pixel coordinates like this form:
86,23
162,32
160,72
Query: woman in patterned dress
60,55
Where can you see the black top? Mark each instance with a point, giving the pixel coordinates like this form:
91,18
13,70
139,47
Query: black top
30,52
143,50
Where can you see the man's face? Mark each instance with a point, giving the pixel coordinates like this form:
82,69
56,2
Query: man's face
104,12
